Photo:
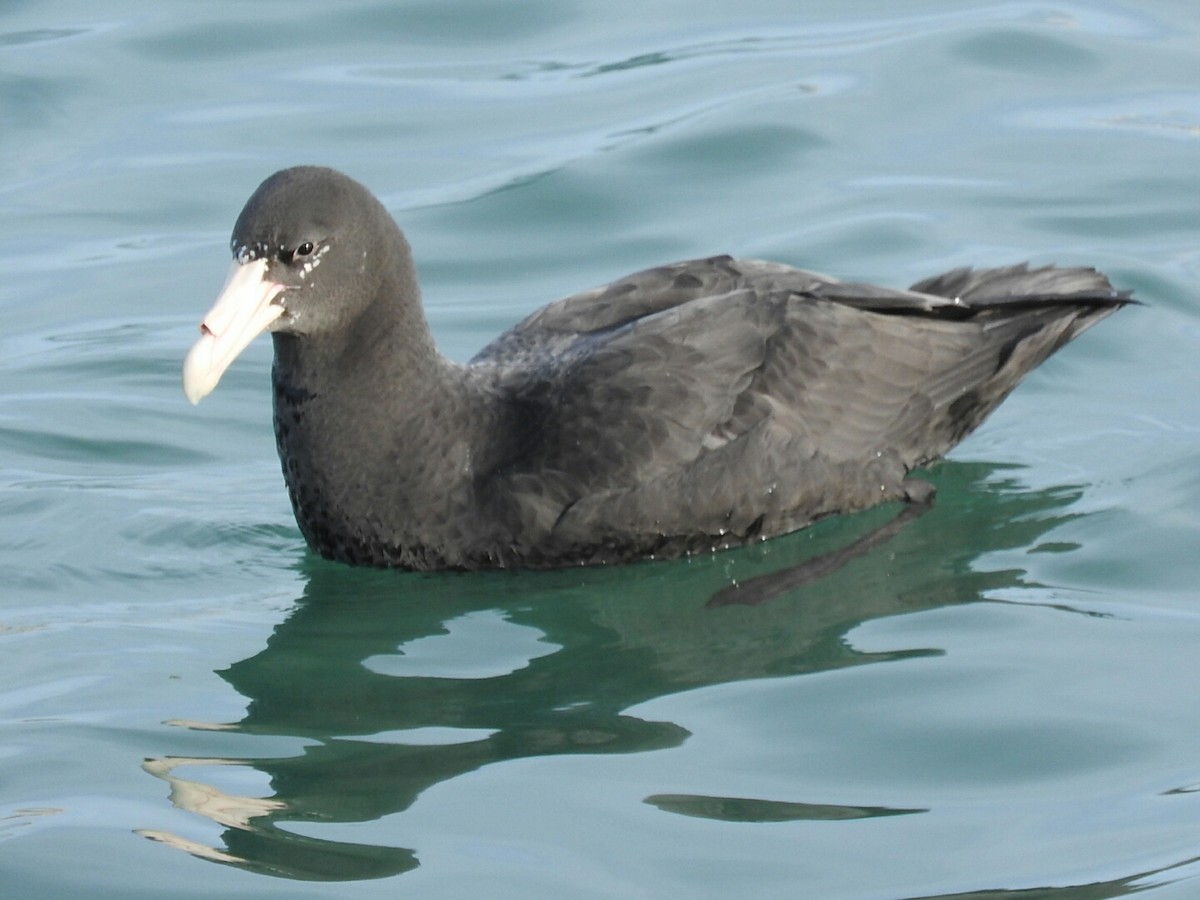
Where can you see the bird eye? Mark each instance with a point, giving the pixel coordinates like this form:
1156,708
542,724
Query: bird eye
298,253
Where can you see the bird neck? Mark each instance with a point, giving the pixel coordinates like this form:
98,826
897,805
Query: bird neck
377,450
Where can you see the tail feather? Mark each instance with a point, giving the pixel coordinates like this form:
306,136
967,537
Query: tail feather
1020,285
1025,315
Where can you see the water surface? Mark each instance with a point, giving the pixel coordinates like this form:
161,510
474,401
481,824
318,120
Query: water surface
1003,698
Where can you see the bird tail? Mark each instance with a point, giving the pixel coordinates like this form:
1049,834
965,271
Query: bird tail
1026,315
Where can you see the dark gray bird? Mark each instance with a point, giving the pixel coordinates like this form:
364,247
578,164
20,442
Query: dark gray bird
682,409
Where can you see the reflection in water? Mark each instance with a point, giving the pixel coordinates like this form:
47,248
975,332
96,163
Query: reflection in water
386,711
740,809
1101,890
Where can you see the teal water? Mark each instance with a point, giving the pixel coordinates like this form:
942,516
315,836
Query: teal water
1002,698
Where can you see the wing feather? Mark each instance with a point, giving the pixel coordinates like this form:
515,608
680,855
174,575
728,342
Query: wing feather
690,387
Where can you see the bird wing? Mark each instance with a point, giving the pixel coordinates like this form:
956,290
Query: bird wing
624,395
555,327
624,403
